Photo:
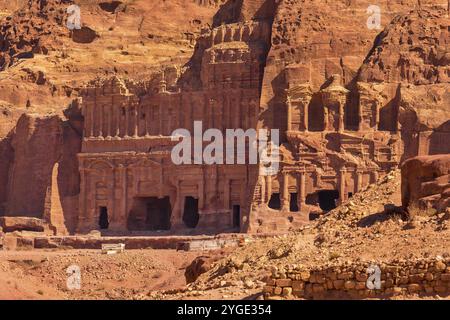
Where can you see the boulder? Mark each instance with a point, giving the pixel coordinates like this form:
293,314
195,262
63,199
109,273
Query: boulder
199,266
11,224
426,182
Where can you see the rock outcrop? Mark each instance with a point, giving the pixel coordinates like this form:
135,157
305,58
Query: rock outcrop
37,144
426,183
197,267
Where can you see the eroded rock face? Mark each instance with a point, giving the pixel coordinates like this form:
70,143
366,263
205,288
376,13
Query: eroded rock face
413,48
29,32
37,144
36,147
11,224
426,182
6,156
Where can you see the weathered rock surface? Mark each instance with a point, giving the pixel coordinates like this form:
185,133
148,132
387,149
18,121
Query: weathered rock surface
11,224
37,144
197,267
351,104
426,183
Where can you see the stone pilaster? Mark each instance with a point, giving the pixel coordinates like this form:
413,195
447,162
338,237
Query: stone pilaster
226,194
136,121
301,200
289,114
285,194
359,182
342,185
341,115
269,189
127,122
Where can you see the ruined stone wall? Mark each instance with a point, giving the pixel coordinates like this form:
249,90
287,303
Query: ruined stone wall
428,276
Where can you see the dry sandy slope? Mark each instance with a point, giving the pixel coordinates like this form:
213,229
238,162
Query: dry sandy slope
370,226
42,274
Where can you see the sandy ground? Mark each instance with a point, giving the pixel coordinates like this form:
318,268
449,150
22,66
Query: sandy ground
41,274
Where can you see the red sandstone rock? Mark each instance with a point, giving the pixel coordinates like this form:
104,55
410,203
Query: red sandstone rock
426,182
199,266
11,224
351,104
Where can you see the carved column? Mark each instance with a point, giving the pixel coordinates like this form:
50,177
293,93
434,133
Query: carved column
301,200
285,204
359,176
82,199
213,36
100,124
377,115
161,129
117,117
147,116
177,214
116,222
127,121
241,32
243,193
87,200
91,121
136,120
325,118
342,189
305,103
289,114
122,170
85,122
222,31
360,115
341,115
269,189
109,119
226,194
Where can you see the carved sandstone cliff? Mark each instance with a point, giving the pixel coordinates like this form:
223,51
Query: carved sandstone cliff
351,104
